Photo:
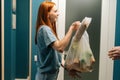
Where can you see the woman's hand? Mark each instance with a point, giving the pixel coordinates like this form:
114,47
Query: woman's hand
75,25
72,72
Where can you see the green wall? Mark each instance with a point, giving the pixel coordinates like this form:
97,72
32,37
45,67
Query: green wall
116,75
35,6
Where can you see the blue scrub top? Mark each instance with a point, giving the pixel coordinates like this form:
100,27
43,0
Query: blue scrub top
49,59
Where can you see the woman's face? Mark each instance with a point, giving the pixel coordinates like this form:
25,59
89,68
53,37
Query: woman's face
53,14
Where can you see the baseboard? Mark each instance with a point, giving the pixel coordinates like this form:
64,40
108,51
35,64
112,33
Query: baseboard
20,79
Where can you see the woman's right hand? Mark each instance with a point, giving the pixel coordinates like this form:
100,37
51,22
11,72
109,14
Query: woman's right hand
75,25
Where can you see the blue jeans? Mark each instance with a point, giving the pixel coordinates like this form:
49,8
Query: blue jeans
46,76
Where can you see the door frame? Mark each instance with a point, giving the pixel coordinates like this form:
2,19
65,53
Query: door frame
108,24
2,39
30,40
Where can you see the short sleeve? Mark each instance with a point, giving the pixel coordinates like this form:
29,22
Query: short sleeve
47,35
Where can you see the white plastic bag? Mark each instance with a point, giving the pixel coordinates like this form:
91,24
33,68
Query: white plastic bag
80,56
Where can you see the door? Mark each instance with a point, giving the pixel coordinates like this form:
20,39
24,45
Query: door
15,40
22,39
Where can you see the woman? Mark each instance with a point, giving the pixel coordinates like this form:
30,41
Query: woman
49,45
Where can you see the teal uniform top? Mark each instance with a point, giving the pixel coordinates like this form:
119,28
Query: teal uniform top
49,59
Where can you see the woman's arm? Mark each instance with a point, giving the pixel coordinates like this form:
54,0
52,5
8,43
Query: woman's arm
60,45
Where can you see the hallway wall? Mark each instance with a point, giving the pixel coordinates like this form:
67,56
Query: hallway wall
35,6
116,75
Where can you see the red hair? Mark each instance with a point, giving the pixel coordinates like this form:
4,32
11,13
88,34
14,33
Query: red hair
42,18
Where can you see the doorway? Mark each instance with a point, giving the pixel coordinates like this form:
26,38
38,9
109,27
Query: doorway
78,10
102,37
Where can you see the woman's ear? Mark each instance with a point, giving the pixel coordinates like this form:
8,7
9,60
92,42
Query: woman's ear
48,14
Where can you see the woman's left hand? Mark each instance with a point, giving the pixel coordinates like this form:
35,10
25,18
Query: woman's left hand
74,74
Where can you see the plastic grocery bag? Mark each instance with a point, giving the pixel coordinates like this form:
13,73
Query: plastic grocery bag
79,55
